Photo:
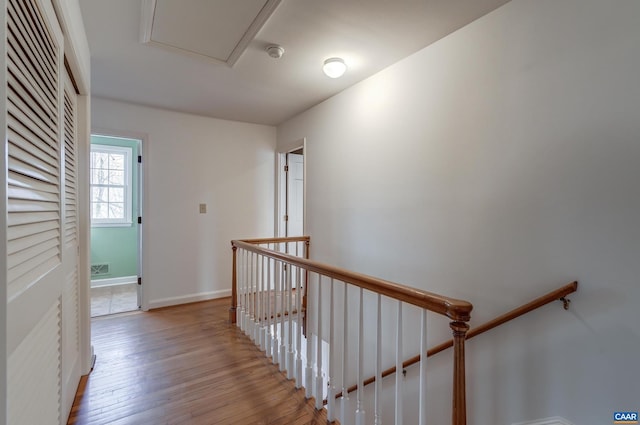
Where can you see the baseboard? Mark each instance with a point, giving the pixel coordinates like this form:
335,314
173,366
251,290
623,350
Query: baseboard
114,281
185,299
556,420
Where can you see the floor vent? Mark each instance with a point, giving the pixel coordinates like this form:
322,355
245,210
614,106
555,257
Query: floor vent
99,269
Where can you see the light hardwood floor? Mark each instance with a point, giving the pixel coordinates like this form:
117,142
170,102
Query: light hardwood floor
184,365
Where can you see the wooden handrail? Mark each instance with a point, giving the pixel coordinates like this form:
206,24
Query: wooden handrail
455,309
555,295
458,311
261,241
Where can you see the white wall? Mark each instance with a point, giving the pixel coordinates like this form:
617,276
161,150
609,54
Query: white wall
496,165
190,160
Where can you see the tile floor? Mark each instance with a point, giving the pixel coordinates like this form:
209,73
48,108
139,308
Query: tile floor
114,299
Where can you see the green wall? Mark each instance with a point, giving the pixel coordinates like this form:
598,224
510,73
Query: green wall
118,246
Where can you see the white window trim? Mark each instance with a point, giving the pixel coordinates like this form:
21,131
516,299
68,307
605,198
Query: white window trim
128,196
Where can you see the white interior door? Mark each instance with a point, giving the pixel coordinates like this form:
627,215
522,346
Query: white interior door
70,311
295,195
42,340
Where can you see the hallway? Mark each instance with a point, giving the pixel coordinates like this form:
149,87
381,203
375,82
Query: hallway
184,365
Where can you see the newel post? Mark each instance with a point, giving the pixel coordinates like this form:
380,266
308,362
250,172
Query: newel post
234,287
459,412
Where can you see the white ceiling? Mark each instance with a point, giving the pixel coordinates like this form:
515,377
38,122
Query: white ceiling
368,34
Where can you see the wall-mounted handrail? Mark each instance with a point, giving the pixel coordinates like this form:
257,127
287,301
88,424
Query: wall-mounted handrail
555,295
268,306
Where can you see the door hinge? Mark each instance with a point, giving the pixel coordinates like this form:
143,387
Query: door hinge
286,218
139,220
139,159
286,168
139,281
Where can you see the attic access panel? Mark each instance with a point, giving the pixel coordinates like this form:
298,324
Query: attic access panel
217,30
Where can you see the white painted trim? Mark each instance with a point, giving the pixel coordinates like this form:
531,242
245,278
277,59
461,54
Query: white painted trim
304,186
76,44
142,189
127,152
84,232
114,281
281,187
281,180
146,20
185,299
556,420
257,24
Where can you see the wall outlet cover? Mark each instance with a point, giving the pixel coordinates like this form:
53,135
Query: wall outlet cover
556,420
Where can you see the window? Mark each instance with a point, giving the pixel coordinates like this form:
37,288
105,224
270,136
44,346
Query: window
110,185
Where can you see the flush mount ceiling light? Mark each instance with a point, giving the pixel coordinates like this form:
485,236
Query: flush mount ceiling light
334,67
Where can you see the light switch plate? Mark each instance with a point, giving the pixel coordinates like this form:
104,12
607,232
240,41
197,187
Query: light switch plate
203,208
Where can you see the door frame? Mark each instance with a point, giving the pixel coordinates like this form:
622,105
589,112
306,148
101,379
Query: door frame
281,189
143,302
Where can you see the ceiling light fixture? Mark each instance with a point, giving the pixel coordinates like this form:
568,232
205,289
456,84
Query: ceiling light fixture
334,67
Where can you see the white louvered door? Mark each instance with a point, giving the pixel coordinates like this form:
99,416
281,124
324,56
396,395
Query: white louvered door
38,277
70,318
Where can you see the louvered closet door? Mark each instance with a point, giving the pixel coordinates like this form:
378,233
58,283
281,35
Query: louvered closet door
35,202
70,294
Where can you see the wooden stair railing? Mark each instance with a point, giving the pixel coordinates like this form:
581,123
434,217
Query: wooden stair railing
556,295
267,306
282,242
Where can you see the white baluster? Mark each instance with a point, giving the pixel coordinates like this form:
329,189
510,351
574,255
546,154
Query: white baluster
378,388
283,296
260,327
319,378
299,327
265,327
243,302
275,344
254,297
399,368
422,397
239,286
267,333
331,395
360,413
344,400
249,321
254,292
290,353
256,300
245,320
308,372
